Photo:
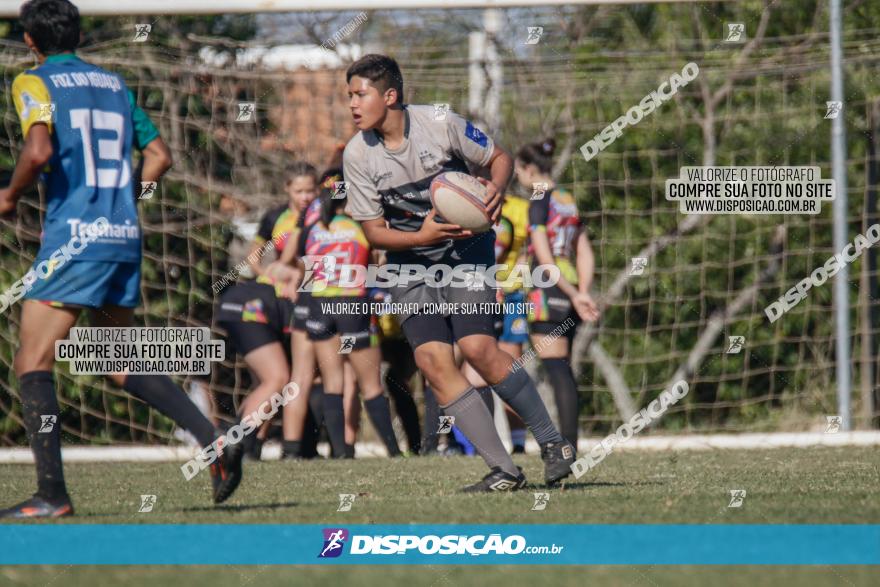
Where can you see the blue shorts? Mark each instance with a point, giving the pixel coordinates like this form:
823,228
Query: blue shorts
90,284
515,329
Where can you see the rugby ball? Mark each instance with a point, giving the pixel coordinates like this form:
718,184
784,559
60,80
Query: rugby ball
460,199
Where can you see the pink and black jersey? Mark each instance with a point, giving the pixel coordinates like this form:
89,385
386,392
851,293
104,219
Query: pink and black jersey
276,226
556,214
345,242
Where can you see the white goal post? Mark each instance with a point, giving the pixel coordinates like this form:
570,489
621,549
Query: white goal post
9,8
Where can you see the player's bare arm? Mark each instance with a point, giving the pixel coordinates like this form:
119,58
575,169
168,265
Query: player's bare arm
291,250
157,160
501,170
288,268
432,232
580,299
586,264
35,154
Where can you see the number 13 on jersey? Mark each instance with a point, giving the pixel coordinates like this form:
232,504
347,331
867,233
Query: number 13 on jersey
113,175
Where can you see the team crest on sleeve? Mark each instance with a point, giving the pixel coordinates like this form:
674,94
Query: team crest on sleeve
28,103
476,135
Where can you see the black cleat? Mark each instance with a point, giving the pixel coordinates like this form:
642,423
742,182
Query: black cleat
226,471
558,458
518,449
498,480
37,507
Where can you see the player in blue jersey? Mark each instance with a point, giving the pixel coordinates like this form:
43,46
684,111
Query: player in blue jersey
80,124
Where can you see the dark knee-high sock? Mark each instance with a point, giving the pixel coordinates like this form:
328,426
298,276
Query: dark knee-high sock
566,394
314,421
432,421
472,418
316,404
38,399
407,410
488,399
309,440
161,392
520,393
334,419
380,415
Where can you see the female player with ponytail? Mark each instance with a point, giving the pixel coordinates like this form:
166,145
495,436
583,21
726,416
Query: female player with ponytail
346,335
556,237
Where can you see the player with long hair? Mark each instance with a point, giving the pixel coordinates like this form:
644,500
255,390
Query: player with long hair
255,313
80,123
346,334
557,237
303,416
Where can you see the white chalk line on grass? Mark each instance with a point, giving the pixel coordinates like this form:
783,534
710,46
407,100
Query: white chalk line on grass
272,450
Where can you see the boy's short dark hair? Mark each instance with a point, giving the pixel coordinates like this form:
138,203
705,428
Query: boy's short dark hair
52,24
379,69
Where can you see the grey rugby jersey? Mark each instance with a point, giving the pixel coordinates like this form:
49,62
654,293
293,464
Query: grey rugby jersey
395,183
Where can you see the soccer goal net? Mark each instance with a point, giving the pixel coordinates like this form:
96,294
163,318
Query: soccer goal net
683,296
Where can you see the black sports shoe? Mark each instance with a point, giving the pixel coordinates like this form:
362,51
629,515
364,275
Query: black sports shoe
498,480
226,471
37,507
518,449
557,457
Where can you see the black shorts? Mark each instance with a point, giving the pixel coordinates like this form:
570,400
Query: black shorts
449,327
322,325
300,312
244,337
550,309
254,316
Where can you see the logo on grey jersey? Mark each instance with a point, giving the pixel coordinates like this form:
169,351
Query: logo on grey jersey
430,162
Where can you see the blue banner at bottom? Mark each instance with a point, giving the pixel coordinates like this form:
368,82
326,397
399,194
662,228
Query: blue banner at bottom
438,544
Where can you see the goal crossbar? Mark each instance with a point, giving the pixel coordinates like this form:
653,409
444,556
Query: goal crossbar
9,9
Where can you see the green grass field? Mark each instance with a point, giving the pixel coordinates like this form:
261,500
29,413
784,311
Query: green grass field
785,486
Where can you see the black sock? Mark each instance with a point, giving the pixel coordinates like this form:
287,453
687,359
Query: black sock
432,421
313,423
290,448
406,410
160,392
38,399
253,446
349,451
334,419
488,399
565,392
310,434
380,415
316,404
